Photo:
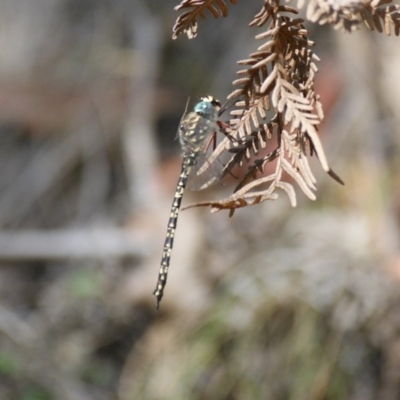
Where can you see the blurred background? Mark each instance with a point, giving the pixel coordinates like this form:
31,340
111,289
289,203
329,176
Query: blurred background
273,303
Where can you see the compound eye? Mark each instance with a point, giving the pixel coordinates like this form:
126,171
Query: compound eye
204,107
207,107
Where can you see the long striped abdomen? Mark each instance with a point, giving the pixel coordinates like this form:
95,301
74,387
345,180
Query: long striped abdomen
187,163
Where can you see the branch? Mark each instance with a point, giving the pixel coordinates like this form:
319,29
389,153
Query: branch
93,243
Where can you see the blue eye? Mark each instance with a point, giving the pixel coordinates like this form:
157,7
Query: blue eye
204,107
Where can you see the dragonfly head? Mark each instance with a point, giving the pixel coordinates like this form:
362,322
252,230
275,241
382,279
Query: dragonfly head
208,107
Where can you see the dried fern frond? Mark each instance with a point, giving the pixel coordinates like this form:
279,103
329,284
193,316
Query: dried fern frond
348,14
275,99
187,22
276,108
377,13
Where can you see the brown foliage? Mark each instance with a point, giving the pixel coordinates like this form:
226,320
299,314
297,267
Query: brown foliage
275,102
187,22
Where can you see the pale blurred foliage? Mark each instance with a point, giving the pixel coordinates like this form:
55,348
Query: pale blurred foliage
275,303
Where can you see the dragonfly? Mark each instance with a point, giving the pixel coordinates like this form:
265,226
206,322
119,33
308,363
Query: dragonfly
195,133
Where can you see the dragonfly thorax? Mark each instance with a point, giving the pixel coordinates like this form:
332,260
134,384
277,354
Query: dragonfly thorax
197,126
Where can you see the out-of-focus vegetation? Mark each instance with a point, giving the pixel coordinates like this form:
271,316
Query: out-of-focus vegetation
274,303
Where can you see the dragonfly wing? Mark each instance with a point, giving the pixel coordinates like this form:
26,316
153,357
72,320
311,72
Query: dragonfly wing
205,172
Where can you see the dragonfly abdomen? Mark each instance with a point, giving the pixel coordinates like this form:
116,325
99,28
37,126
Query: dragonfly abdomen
187,163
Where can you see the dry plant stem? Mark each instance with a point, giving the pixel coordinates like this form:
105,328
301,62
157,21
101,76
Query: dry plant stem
67,244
